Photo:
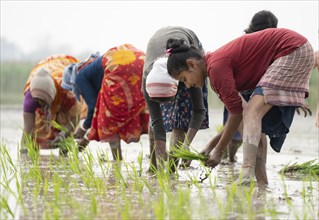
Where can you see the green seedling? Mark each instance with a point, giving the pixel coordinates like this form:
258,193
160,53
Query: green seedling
308,168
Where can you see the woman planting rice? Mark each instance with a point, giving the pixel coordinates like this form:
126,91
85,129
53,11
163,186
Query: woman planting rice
45,100
111,87
274,64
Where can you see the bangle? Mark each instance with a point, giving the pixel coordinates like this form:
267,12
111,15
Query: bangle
86,134
82,126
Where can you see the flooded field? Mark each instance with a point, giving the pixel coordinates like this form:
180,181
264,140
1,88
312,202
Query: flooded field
47,186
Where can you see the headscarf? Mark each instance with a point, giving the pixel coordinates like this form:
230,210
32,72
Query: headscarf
159,84
42,86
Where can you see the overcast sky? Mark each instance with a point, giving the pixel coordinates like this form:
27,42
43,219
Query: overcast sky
99,25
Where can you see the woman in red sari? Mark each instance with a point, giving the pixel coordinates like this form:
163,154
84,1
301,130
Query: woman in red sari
111,87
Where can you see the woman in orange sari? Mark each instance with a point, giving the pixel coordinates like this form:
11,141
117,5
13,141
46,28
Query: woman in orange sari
111,87
45,101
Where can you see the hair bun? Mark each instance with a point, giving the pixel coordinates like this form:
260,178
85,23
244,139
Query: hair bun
175,45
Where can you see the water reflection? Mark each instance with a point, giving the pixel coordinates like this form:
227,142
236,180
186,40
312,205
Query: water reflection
84,187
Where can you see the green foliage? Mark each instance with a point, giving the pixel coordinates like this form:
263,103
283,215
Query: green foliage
308,168
187,154
86,188
13,77
313,93
15,74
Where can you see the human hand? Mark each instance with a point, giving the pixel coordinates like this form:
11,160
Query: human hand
211,145
82,144
243,101
207,149
55,143
80,131
214,158
305,109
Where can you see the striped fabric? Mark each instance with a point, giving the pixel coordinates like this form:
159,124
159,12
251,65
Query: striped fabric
162,90
286,81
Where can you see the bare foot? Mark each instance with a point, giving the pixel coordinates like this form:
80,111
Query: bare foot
260,171
248,174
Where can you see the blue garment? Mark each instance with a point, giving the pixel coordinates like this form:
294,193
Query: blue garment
276,122
89,80
68,79
69,75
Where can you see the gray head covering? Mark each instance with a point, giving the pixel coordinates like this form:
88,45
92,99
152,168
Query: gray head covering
42,86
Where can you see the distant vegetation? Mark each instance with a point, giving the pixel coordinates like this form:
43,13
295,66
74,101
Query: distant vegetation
14,76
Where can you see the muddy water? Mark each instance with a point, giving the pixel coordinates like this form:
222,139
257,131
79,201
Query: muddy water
301,145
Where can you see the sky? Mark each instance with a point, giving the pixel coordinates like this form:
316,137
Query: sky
91,26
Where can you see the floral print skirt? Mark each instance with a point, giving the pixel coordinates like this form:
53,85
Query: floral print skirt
178,113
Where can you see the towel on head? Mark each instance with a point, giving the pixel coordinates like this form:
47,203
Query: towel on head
159,84
42,86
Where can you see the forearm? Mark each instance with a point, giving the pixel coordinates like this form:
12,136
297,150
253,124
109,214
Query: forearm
28,126
229,130
156,119
191,132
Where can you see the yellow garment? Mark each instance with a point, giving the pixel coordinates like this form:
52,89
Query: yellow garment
64,106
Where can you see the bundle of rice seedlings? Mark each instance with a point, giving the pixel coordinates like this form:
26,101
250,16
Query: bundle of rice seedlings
68,143
58,126
309,168
187,154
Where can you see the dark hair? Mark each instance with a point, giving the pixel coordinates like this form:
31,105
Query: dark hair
262,20
179,51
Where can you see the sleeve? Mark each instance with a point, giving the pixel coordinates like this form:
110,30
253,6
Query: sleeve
29,105
198,110
224,85
156,119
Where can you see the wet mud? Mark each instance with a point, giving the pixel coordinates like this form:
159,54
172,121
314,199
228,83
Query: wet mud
127,190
